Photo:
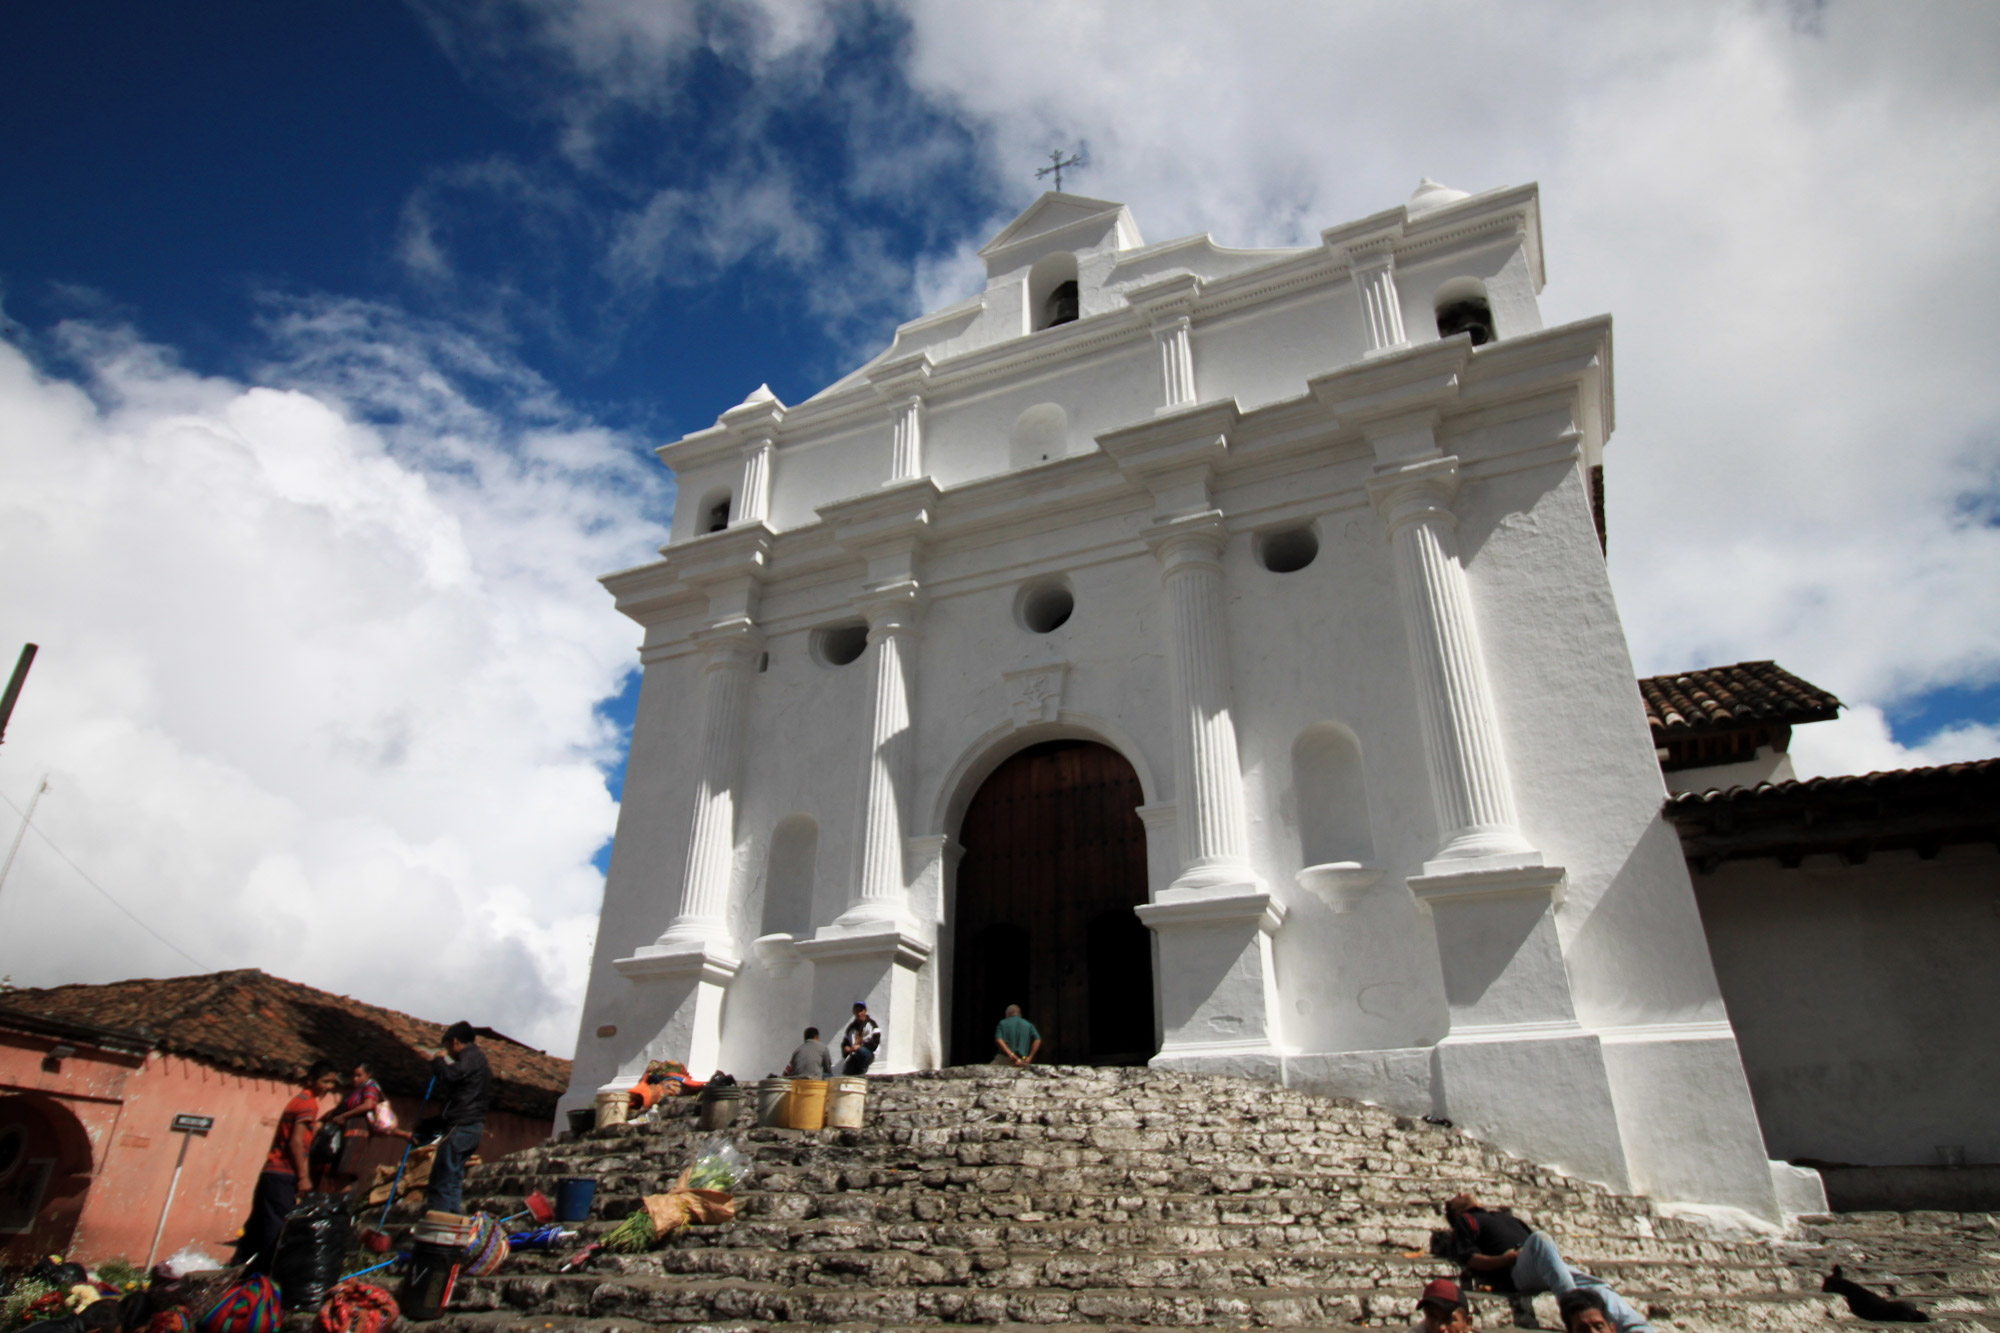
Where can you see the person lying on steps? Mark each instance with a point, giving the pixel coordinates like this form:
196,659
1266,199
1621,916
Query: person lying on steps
1583,1312
1503,1252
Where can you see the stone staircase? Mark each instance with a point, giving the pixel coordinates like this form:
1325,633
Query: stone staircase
1145,1198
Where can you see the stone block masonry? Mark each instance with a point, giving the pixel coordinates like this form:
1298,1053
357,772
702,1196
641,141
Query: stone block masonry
1147,1198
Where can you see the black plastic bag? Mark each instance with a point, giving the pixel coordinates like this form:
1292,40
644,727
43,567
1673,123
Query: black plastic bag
311,1251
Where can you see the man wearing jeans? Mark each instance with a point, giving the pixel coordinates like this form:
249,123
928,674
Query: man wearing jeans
467,1083
1513,1258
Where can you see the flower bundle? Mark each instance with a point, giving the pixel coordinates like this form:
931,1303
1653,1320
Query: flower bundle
700,1196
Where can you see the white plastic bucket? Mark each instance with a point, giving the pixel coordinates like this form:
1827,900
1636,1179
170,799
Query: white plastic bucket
847,1103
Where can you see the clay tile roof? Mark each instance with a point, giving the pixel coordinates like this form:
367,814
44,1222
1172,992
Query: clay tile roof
1854,815
1730,697
252,1021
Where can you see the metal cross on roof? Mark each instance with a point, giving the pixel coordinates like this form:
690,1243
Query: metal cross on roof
1058,164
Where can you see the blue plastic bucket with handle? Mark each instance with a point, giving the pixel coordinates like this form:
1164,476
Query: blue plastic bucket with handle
573,1196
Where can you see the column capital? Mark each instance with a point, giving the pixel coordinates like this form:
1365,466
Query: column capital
1419,492
1169,299
1174,453
734,641
1189,541
891,608
904,378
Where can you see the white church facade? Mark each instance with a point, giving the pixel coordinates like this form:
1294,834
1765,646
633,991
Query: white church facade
1210,650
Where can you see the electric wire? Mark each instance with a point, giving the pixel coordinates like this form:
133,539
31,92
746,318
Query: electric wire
104,892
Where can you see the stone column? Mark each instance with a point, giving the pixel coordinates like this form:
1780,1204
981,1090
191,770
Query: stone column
756,502
1374,272
1176,340
901,383
1168,308
731,650
1208,780
1462,749
907,457
880,892
1218,990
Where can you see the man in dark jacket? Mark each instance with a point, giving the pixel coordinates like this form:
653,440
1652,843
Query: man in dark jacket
1509,1256
465,1083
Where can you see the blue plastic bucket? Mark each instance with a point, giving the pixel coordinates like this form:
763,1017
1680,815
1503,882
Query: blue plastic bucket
573,1197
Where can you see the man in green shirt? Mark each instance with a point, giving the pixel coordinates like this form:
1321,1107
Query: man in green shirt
1017,1039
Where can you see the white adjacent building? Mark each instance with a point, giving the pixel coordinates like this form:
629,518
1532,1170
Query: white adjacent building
1200,648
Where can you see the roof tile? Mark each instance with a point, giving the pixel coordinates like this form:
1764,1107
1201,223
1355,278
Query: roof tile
252,1021
1728,697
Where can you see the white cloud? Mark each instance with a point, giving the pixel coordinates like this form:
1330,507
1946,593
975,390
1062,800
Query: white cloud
319,662
1860,742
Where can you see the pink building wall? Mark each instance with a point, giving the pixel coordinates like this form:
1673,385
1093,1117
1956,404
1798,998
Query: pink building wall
103,1117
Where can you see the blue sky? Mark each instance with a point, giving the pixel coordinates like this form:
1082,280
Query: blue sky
339,336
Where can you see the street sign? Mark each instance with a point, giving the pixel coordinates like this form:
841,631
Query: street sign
193,1124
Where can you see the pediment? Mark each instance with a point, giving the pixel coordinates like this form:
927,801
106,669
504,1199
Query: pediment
1052,212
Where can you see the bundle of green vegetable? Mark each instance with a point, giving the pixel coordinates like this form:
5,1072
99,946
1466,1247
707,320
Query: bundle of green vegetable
700,1195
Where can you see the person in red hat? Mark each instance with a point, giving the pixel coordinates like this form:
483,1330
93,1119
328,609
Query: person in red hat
1443,1309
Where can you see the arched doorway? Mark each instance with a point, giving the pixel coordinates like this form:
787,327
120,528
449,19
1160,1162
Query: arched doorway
44,1175
1055,861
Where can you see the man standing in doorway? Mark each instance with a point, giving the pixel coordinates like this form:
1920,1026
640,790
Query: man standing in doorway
467,1081
1017,1040
860,1041
284,1167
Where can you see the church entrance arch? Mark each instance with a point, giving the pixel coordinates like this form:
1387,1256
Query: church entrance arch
1054,863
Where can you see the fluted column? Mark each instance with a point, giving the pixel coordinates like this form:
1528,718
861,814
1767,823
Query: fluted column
907,458
1176,340
1374,271
1213,833
880,892
756,502
731,649
1462,749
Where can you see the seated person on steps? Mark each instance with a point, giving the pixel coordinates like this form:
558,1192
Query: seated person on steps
859,1043
1016,1039
1442,1309
811,1060
1504,1253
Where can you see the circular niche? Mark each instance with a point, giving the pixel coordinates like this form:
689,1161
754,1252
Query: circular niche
1043,608
1287,550
838,645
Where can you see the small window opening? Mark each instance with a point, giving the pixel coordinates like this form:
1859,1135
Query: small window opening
717,517
1061,306
1287,550
763,662
837,645
1469,315
1047,608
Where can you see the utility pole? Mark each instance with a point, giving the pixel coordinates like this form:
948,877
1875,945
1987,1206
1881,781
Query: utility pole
28,651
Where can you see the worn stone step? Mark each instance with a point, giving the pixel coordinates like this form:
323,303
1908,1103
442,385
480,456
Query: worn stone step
673,1301
1158,1269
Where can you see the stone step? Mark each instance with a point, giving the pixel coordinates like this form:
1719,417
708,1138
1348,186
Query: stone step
1238,1270
668,1300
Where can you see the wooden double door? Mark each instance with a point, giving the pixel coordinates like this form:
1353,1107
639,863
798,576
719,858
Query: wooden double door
1054,863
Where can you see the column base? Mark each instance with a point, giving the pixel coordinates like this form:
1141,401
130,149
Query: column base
1218,989
879,968
1540,1090
686,985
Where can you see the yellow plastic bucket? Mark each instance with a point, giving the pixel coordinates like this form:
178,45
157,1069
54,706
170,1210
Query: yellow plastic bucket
808,1103
847,1103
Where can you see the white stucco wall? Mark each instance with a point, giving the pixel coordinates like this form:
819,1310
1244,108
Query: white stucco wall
1350,1000
1862,997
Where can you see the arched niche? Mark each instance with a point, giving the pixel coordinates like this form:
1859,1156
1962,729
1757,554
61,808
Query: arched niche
788,887
712,515
1336,841
1040,435
1461,306
1050,281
